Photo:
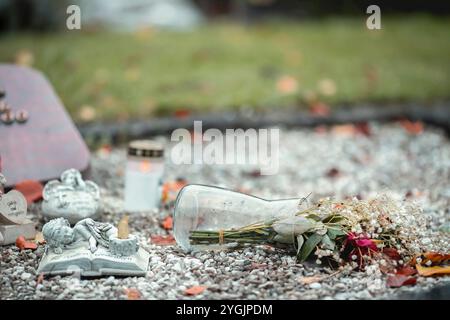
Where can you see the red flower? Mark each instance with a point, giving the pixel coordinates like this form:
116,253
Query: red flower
359,246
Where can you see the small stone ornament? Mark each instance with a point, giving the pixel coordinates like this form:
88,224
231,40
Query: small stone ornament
90,248
13,220
71,198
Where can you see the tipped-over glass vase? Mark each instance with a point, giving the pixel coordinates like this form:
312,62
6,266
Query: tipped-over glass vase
208,217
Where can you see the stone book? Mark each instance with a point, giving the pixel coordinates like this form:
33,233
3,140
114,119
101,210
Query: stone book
79,259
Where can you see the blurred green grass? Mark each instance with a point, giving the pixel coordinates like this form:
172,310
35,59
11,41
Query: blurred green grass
223,65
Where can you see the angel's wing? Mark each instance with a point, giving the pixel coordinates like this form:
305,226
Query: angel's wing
2,180
50,189
92,188
99,231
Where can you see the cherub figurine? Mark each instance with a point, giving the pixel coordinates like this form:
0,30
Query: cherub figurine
2,183
59,234
71,198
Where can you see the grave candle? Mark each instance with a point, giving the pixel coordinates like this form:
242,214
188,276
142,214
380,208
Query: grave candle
144,171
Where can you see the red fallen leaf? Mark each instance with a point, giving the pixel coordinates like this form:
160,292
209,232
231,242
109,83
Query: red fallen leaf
163,240
319,109
170,189
392,253
435,257
167,223
412,127
195,290
406,271
133,294
399,280
23,244
344,130
31,189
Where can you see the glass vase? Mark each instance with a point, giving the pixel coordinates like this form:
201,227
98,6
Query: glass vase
208,217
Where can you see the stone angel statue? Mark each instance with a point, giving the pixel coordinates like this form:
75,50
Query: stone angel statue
72,197
2,183
59,234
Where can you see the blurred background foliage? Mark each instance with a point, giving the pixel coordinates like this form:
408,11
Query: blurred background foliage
260,54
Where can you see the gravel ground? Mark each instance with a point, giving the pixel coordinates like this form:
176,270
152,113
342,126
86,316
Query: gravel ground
335,163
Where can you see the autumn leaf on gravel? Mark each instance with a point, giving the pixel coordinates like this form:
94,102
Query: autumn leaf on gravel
31,189
23,244
344,130
433,264
163,240
170,189
167,223
412,127
406,271
432,271
399,280
309,280
435,257
287,85
195,290
133,294
392,253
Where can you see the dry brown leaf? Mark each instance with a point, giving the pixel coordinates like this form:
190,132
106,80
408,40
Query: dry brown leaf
432,271
133,294
412,127
23,244
170,189
344,130
309,280
163,240
195,290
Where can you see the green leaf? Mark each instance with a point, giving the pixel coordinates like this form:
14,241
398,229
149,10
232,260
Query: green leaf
333,233
333,218
314,217
328,243
309,246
